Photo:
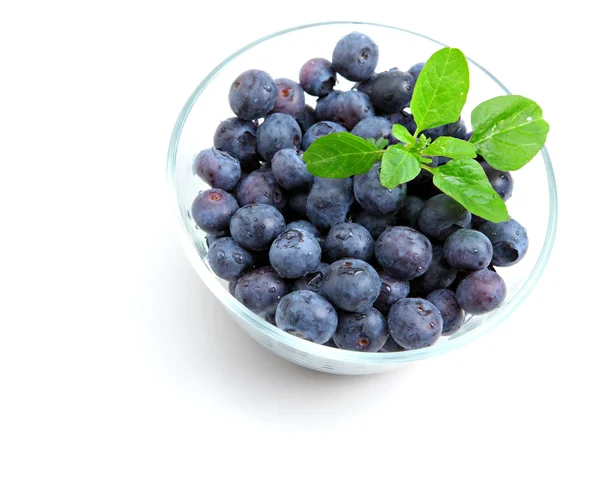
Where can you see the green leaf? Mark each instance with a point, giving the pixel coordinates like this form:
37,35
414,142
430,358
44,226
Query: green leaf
372,141
402,134
451,148
465,181
339,155
508,131
398,166
441,89
381,143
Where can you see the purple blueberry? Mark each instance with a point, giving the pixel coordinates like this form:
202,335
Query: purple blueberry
277,132
255,227
348,240
509,240
414,323
306,118
392,91
365,331
442,216
318,130
312,281
229,260
294,253
317,77
329,201
261,187
446,303
415,70
374,197
392,290
217,168
238,138
409,213
468,249
350,107
290,98
351,284
405,119
403,252
481,292
290,170
252,95
375,127
261,290
307,315
501,181
365,86
213,209
390,346
355,57
375,224
324,109
297,202
439,275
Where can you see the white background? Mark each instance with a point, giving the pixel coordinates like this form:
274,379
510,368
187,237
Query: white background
117,364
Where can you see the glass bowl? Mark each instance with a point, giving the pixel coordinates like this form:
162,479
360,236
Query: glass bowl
281,55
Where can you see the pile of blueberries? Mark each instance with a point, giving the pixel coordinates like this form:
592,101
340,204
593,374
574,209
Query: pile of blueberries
344,262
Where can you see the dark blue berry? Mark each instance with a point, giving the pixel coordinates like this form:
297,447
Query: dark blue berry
350,107
252,95
375,224
405,119
229,260
312,281
403,252
329,201
290,98
351,284
306,118
217,168
365,331
415,70
439,275
446,303
374,197
409,213
501,181
392,290
238,138
414,323
365,86
458,129
297,202
324,109
307,315
232,286
375,127
261,290
442,216
212,210
509,240
306,225
348,240
290,170
390,346
294,253
317,77
319,130
481,292
255,227
355,57
468,249
277,132
392,91
261,187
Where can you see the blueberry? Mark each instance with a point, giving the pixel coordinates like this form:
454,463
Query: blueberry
277,132
238,138
252,95
329,201
375,224
307,315
319,130
392,290
405,119
317,77
306,118
212,238
501,181
375,127
217,168
403,252
330,343
261,290
365,86
306,225
414,323
355,57
350,107
261,187
392,91
212,210
439,275
509,240
348,240
424,176
409,214
255,227
458,129
297,202
351,284
324,109
312,281
232,286
390,346
468,249
442,216
481,292
365,331
228,260
452,315
290,170
415,70
374,197
290,97
294,253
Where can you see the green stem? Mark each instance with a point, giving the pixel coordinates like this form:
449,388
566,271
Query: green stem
427,168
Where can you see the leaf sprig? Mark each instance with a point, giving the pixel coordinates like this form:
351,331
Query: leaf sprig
508,131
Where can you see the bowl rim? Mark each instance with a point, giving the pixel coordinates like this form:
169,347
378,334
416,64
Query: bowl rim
321,351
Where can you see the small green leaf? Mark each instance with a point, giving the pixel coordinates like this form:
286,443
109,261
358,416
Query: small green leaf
451,148
426,160
402,134
398,166
381,143
339,155
441,89
508,131
372,141
465,181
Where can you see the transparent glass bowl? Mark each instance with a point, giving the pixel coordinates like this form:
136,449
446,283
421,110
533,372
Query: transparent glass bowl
281,55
